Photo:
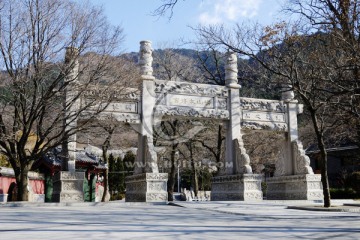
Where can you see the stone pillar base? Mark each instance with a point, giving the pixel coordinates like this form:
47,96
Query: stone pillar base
37,198
68,187
296,187
146,187
241,187
3,197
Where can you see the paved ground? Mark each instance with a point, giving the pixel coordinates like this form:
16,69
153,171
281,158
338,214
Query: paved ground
209,220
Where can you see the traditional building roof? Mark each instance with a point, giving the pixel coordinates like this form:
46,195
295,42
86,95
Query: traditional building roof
52,158
9,172
84,159
335,149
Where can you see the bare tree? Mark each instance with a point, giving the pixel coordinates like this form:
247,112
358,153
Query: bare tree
110,128
168,5
321,68
191,148
168,135
173,66
290,56
213,145
340,20
105,130
34,35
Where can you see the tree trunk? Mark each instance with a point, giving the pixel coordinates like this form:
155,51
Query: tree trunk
323,159
22,183
219,144
106,177
358,133
324,174
172,131
193,168
172,175
105,147
195,178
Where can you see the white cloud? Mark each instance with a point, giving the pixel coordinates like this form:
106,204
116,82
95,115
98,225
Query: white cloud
220,11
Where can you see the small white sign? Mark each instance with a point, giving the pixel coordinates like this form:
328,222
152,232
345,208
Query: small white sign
190,101
263,116
123,107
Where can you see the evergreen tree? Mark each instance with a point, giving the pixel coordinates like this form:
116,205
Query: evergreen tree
129,163
111,175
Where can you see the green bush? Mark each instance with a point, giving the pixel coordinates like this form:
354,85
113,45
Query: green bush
4,162
354,181
117,196
343,193
264,187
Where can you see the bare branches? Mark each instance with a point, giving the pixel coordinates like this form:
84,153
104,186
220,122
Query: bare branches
168,5
318,56
34,37
173,66
326,15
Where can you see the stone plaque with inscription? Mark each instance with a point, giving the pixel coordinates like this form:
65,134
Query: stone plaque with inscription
262,114
194,100
123,107
190,101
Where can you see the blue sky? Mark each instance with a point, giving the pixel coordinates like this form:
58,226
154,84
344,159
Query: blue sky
138,24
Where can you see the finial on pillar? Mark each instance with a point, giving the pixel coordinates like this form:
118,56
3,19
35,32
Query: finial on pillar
145,60
231,70
71,54
72,62
288,94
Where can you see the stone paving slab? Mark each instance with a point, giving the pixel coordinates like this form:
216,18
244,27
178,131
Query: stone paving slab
77,204
194,220
343,208
240,208
352,204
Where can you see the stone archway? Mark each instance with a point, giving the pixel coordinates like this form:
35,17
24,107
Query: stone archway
294,177
236,181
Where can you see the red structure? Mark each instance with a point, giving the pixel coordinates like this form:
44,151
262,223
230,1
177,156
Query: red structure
90,164
40,184
8,187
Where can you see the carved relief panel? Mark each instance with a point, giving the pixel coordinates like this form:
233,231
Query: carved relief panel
262,114
124,105
191,100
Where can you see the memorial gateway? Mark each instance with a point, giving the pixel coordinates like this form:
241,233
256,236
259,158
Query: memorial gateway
294,179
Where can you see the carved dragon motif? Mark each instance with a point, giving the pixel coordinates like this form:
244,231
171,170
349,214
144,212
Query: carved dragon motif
301,161
242,158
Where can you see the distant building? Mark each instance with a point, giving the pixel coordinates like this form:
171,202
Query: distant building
85,161
40,184
341,162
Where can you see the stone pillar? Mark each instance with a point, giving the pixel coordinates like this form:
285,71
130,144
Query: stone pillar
71,106
147,184
294,178
285,165
235,181
68,184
